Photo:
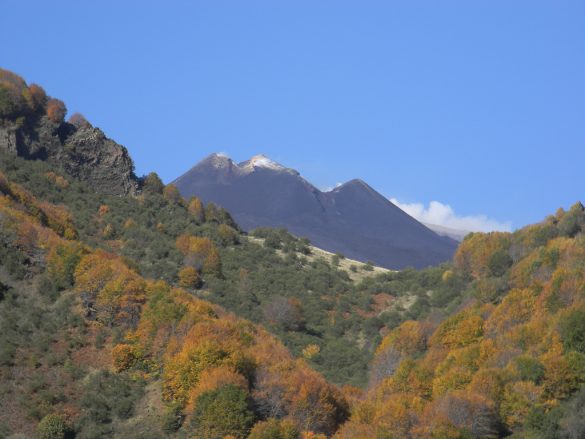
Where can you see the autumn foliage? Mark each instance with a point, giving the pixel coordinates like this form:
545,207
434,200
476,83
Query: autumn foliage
199,253
480,253
56,110
171,194
483,371
79,120
189,277
19,100
514,350
224,373
111,292
202,349
196,209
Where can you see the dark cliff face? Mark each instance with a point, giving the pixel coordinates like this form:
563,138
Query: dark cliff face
352,219
91,156
82,151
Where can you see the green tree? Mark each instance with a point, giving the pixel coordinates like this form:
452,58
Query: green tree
274,429
222,412
171,194
572,329
529,369
153,183
499,262
227,235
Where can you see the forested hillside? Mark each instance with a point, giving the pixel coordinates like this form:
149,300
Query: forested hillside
311,304
509,362
129,311
91,347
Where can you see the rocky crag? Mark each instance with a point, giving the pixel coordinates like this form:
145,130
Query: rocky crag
32,126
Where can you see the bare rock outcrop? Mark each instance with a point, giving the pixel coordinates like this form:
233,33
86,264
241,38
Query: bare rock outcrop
82,151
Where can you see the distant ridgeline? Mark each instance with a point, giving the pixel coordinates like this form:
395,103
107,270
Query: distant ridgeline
151,316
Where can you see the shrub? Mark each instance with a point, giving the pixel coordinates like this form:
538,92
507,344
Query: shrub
56,110
222,412
286,313
335,260
227,235
219,215
499,262
189,278
572,329
53,427
368,266
79,121
124,357
196,209
172,195
172,418
529,369
544,425
153,184
35,97
12,102
274,429
574,420
199,253
62,261
107,396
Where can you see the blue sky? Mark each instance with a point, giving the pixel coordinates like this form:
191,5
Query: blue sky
476,105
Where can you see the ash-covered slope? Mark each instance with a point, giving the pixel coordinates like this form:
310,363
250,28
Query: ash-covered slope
352,219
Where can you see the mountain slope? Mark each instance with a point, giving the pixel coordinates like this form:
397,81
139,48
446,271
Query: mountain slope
352,219
511,362
32,126
54,287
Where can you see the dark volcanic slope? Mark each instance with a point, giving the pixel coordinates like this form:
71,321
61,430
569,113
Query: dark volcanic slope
352,219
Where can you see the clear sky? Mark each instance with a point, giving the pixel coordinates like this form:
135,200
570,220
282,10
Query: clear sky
477,105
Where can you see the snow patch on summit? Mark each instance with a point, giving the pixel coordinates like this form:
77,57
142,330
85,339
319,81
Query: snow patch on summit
261,161
220,160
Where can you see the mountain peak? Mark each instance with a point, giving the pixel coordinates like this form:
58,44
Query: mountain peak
354,183
221,162
217,160
263,162
352,219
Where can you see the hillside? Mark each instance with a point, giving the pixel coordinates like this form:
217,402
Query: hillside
356,270
510,362
32,126
343,317
95,343
352,219
138,313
